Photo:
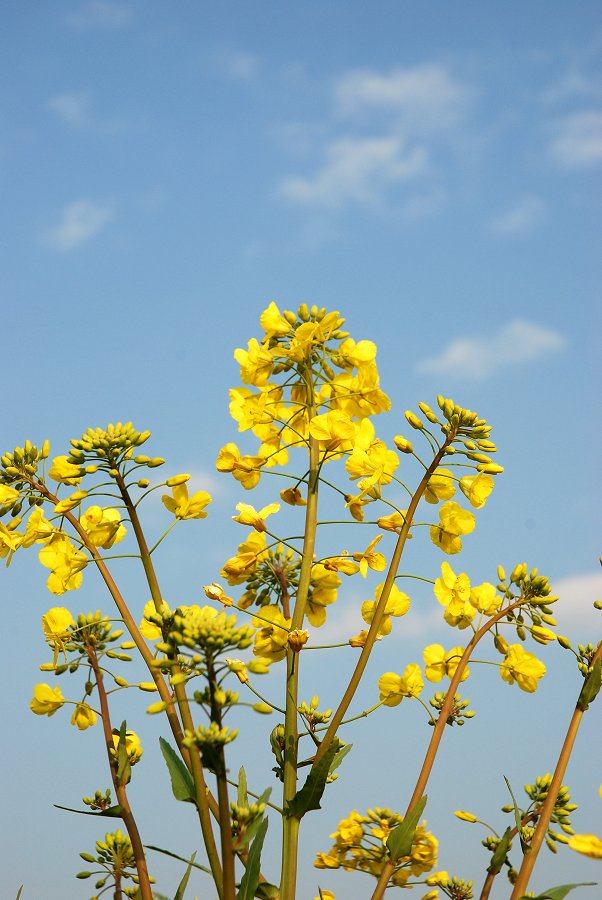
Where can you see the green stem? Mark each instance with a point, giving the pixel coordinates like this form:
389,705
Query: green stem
290,824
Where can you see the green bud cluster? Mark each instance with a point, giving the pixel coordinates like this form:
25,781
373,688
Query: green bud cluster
211,635
585,658
457,888
266,584
212,737
17,469
459,711
94,630
98,801
222,698
312,715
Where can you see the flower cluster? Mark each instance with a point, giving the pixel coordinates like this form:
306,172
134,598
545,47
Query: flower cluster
360,843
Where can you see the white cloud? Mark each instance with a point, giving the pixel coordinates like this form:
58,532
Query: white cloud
100,14
422,99
522,218
577,140
356,170
572,84
237,65
574,608
78,222
480,357
72,107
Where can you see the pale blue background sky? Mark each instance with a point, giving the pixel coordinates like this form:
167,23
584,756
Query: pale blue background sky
430,170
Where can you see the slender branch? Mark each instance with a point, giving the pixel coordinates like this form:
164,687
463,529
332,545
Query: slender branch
120,791
380,609
547,809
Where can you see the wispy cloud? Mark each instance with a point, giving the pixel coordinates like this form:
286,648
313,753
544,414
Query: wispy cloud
78,222
571,84
237,64
76,109
576,598
73,108
356,170
577,140
422,99
100,14
478,358
522,218
381,133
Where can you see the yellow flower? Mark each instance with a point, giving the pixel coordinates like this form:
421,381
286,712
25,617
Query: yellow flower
66,563
377,464
149,629
484,598
65,472
247,515
477,488
56,624
46,700
465,816
324,583
333,429
440,486
132,745
246,469
293,497
256,363
184,507
397,604
326,895
439,663
522,667
38,528
451,589
103,526
252,551
375,561
216,592
83,716
393,522
393,688
271,639
273,323
453,521
587,845
342,563
10,540
8,495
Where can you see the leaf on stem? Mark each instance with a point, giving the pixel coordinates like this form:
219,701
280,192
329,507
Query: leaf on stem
500,853
243,799
311,793
557,893
590,689
124,768
399,843
111,811
181,858
184,882
182,783
250,879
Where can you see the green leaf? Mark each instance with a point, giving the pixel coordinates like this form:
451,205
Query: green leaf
267,891
19,893
250,879
590,689
182,783
243,799
253,828
399,843
557,893
184,882
311,793
124,768
500,853
113,812
195,865
338,758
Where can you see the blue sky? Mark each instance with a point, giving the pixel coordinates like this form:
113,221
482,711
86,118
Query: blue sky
431,171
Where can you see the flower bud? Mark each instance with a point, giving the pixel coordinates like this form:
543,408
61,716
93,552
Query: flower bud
402,444
262,708
175,480
428,412
413,420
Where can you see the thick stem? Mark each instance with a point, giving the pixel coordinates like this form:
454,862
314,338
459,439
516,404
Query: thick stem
547,809
290,824
120,791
